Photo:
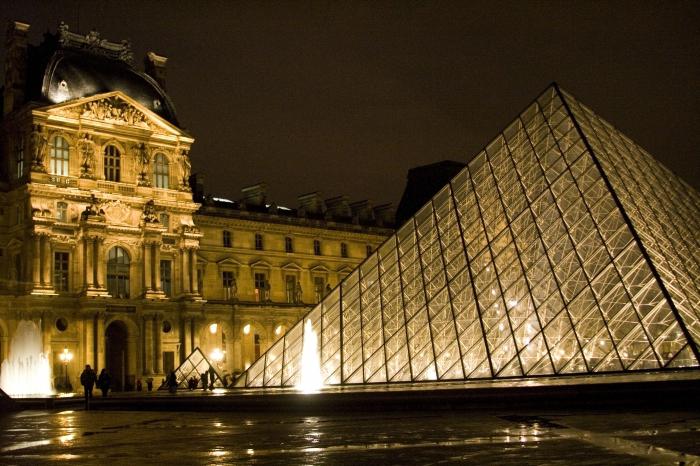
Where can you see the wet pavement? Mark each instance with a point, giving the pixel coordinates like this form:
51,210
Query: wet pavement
502,437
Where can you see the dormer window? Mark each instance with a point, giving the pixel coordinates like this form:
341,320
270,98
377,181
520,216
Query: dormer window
112,162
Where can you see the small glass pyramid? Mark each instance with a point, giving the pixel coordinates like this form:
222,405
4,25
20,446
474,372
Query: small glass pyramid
562,248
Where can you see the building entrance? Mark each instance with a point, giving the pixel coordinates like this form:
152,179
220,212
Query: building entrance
117,359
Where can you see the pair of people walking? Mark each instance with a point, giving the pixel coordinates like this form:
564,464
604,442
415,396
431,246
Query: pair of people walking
88,378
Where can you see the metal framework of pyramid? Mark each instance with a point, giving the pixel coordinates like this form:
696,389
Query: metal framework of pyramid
193,366
562,248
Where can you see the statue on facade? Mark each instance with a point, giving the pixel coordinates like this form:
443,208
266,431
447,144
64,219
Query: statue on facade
266,291
232,289
143,162
149,212
186,170
298,294
92,210
39,146
86,149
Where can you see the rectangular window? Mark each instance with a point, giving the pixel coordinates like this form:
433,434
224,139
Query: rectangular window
256,340
60,271
228,282
262,294
291,288
258,242
227,239
164,219
343,250
317,247
166,277
19,158
319,287
288,245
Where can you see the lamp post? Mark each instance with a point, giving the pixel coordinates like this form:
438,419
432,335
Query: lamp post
66,356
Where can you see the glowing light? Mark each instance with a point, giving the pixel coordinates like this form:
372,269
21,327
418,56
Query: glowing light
512,302
246,329
217,355
310,380
213,328
66,356
278,330
26,371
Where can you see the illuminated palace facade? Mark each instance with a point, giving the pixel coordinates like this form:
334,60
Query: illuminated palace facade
105,245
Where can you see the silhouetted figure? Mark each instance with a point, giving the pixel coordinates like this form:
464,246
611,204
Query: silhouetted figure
103,382
212,377
171,382
205,379
87,380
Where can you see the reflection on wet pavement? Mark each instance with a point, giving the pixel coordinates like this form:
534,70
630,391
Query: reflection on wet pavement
99,437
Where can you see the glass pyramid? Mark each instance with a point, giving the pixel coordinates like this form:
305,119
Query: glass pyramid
562,248
192,367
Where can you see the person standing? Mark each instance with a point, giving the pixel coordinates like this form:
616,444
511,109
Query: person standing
103,382
205,380
171,382
87,380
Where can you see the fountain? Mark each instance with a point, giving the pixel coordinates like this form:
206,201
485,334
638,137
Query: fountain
26,371
310,380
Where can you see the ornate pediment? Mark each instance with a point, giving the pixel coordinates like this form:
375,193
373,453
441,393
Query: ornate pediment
114,108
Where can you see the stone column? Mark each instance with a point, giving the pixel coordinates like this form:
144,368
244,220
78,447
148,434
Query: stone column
158,350
194,285
100,339
89,262
46,262
185,269
148,344
147,272
36,265
89,341
193,343
100,263
156,267
187,337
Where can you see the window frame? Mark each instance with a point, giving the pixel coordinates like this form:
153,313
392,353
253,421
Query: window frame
161,171
111,158
59,156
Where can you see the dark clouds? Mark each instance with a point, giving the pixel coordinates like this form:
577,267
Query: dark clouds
344,97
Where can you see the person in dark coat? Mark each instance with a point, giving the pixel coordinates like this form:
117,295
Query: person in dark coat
103,382
171,382
87,380
205,380
212,377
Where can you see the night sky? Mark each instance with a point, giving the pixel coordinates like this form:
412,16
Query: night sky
345,97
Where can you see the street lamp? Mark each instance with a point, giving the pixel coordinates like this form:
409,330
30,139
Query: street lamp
65,358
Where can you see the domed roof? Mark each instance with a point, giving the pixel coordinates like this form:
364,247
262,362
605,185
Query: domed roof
72,66
73,74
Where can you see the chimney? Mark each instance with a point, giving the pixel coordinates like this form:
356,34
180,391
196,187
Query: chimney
155,67
338,208
15,65
310,204
384,215
362,212
255,195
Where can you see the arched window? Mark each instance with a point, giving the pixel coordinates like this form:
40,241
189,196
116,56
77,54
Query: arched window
118,272
59,156
62,211
112,162
161,171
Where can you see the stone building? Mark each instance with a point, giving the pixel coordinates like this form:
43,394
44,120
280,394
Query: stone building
104,244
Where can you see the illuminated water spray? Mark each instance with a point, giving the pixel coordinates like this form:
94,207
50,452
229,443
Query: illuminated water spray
26,371
310,380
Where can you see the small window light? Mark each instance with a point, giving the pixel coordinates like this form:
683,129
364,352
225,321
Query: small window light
246,329
213,328
278,330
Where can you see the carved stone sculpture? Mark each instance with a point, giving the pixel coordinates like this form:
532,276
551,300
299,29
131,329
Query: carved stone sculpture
39,146
92,210
143,162
186,170
86,149
149,212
